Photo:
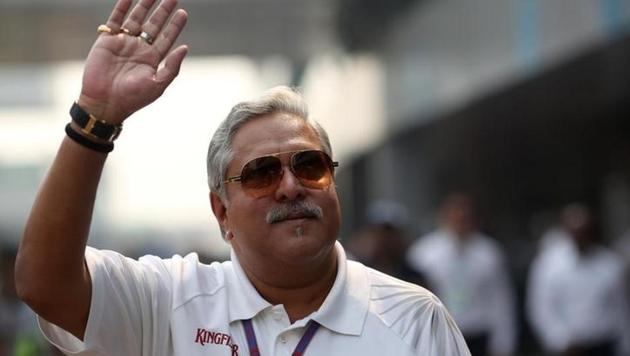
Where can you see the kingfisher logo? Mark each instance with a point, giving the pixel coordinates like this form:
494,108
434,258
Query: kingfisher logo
215,338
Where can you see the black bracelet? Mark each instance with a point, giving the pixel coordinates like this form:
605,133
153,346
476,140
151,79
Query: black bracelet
92,126
85,142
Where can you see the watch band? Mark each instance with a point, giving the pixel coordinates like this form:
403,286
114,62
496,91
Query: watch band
92,126
86,142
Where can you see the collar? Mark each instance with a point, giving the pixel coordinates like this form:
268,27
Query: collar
472,238
344,310
244,301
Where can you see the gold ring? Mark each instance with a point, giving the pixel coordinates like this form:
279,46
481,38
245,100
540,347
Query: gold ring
146,37
125,31
104,29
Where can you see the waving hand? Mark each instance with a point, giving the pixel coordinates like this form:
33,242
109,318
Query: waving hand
129,66
123,71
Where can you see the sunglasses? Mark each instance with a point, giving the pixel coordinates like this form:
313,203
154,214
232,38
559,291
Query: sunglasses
261,176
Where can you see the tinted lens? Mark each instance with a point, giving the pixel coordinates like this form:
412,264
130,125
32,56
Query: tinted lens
260,174
312,168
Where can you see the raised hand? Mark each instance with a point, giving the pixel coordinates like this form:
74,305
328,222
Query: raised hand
123,71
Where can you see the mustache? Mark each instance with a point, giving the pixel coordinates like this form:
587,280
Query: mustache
296,208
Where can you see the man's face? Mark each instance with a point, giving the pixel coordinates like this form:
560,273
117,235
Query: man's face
459,215
290,242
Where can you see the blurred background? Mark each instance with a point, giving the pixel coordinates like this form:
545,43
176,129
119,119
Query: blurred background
521,104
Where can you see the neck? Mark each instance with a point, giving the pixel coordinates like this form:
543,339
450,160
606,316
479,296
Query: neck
300,290
462,235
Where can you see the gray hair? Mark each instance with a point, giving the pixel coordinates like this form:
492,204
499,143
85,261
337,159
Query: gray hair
280,99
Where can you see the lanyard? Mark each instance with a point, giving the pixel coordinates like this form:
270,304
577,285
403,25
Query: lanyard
311,328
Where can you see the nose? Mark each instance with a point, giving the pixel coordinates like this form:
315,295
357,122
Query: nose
289,187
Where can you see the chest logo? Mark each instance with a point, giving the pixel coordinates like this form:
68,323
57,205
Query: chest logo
204,337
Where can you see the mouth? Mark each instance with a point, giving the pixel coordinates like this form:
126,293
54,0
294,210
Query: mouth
295,216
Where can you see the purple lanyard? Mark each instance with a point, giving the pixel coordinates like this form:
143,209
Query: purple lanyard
311,328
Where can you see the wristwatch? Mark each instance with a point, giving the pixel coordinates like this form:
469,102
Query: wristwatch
94,127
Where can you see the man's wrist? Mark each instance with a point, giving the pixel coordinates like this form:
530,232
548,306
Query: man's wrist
76,136
100,110
94,127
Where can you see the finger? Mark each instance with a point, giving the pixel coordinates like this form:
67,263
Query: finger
118,14
169,35
172,64
159,17
137,16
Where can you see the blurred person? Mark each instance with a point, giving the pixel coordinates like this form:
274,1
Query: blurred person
576,301
467,270
382,243
288,287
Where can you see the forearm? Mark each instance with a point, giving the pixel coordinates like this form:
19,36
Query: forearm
50,271
122,74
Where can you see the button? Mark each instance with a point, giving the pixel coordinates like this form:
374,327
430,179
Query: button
277,315
283,339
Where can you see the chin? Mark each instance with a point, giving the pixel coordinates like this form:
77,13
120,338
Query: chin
307,248
301,240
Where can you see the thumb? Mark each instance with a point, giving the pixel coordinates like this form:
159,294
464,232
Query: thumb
172,64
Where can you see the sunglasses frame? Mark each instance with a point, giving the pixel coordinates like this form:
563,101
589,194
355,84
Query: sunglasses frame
333,164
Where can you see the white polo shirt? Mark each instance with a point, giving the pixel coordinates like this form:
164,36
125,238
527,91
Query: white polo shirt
180,306
471,278
576,298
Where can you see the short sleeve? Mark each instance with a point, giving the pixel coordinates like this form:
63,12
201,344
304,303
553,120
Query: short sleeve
129,310
439,335
416,316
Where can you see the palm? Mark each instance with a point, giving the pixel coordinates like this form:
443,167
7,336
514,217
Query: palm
122,72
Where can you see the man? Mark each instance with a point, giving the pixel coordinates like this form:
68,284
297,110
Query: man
576,295
381,244
466,269
288,288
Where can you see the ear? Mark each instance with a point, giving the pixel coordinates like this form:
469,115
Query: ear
219,208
